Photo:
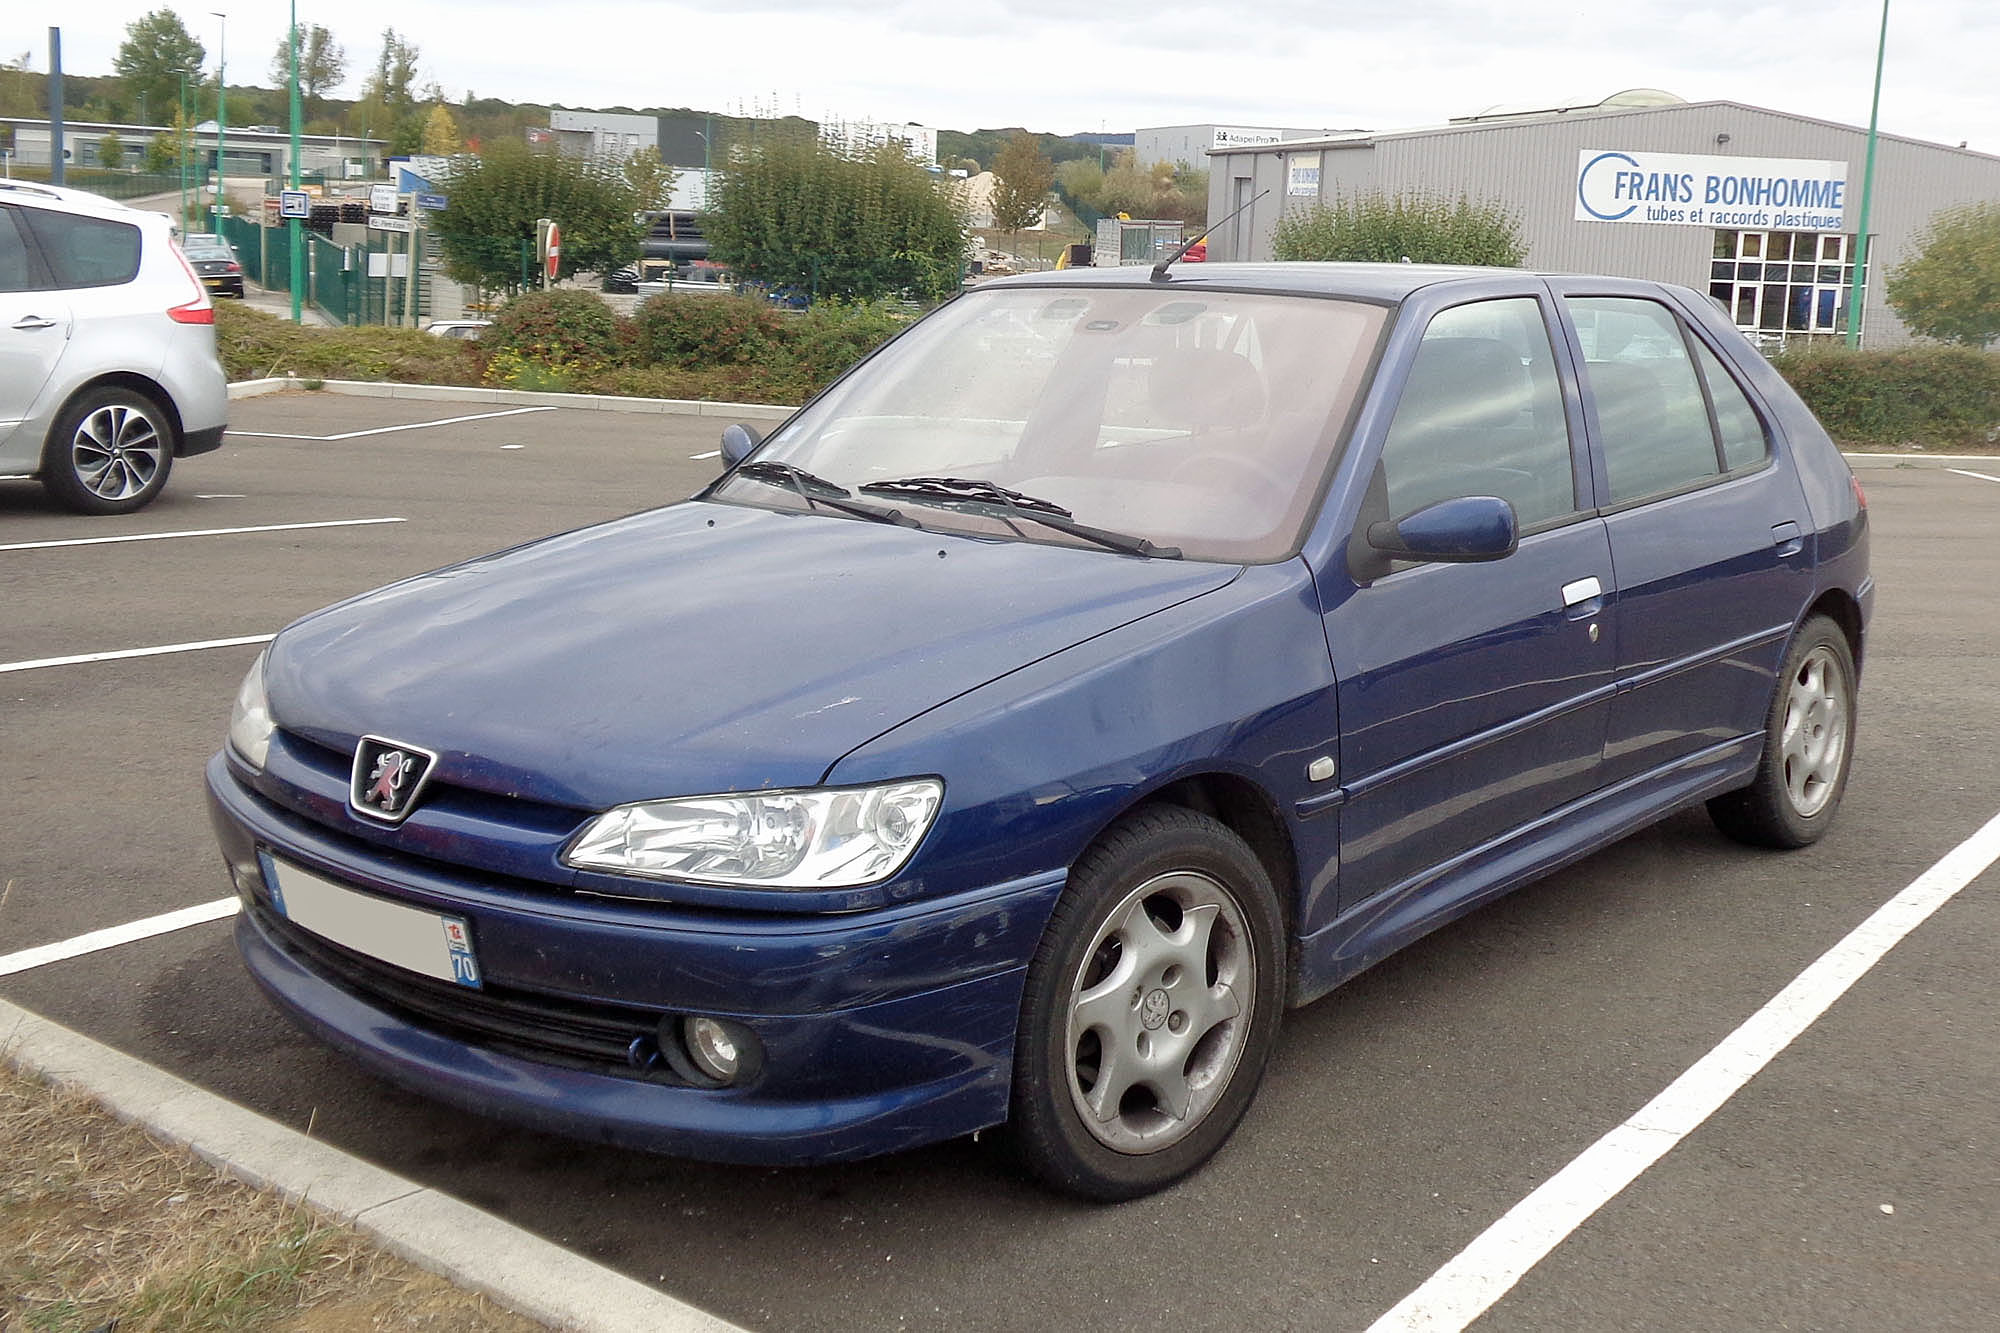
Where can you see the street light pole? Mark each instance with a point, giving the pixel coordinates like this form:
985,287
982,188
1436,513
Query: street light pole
221,121
294,226
1857,286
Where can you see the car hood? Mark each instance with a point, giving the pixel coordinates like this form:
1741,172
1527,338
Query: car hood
698,648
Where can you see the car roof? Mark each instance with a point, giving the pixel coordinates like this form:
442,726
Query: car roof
1367,282
44,195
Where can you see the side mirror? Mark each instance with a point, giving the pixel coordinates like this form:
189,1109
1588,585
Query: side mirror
737,442
1462,531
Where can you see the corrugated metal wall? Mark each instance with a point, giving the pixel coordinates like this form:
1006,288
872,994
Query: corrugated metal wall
1530,165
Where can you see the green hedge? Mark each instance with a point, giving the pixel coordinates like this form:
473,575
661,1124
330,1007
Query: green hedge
1923,395
721,348
737,349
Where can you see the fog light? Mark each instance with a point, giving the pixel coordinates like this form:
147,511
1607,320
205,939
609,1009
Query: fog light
714,1049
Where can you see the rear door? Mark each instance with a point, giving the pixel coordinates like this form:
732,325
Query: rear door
1710,535
34,330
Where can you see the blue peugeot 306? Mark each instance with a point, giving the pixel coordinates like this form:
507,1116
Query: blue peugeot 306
1107,664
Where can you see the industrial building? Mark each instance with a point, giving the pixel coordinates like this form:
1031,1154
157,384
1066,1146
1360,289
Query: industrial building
1756,207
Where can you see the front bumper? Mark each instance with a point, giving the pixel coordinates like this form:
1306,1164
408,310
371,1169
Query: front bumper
879,1031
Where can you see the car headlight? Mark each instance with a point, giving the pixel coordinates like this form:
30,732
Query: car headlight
818,838
250,724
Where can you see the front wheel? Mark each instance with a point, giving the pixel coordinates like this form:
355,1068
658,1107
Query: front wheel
1151,1007
1808,746
109,453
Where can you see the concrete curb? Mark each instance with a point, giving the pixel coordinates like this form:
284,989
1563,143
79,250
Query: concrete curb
597,402
471,1248
452,393
1989,461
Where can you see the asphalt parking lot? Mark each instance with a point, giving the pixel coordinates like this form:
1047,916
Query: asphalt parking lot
1853,1183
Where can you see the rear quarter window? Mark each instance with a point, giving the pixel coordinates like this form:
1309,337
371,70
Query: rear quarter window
85,252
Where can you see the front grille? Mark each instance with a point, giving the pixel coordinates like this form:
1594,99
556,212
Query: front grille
609,1039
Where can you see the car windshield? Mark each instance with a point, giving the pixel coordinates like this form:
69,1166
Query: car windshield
1194,421
198,251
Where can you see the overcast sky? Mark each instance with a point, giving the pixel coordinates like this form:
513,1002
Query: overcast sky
1065,66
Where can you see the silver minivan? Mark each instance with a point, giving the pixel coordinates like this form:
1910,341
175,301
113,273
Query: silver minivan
108,369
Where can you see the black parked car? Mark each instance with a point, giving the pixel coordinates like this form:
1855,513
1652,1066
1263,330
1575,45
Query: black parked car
214,261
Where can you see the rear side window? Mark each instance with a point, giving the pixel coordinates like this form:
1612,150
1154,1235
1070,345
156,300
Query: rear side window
1737,424
85,252
14,266
1482,414
1651,413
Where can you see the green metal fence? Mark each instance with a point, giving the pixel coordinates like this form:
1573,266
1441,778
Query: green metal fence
110,184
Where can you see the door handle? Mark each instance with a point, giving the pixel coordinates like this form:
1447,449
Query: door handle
34,322
1583,590
1787,538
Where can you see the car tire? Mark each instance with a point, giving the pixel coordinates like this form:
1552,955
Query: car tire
1808,746
1167,947
110,452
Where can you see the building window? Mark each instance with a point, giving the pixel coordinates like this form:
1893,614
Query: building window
1783,285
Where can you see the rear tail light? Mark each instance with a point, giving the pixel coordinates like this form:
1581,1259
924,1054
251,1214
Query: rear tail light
1860,496
235,268
198,311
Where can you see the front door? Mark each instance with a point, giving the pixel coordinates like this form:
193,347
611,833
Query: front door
1473,697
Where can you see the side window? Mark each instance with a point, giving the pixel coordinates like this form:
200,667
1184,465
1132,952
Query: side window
1651,414
1737,424
14,268
86,252
1482,414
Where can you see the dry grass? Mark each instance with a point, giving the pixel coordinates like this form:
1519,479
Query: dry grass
105,1230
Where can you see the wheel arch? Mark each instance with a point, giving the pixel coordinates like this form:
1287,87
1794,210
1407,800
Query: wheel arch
150,388
1248,811
1839,606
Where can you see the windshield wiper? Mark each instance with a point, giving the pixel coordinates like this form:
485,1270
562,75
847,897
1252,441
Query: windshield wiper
816,491
950,492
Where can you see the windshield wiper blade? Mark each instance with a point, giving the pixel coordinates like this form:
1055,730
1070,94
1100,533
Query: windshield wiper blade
951,492
965,488
817,490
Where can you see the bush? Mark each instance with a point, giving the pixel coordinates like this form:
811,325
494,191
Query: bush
254,345
831,336
1386,229
704,330
564,326
1927,395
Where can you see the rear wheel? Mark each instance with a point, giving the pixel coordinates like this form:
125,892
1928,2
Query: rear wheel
1151,1007
1808,746
109,453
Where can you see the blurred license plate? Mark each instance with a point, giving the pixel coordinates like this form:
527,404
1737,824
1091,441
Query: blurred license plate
428,943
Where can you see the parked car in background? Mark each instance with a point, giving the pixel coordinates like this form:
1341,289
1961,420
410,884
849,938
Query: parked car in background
108,371
462,330
214,261
1107,664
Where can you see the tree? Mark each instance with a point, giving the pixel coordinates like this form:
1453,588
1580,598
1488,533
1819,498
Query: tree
1950,289
1023,177
111,150
791,211
395,72
322,62
1385,229
165,150
651,179
441,137
157,51
1161,190
496,198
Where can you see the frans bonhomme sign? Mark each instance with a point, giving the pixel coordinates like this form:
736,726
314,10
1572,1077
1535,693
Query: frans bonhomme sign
1777,193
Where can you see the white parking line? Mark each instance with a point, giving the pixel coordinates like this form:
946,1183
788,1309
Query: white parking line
160,650
388,430
113,936
196,532
1963,473
1487,1269
712,453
